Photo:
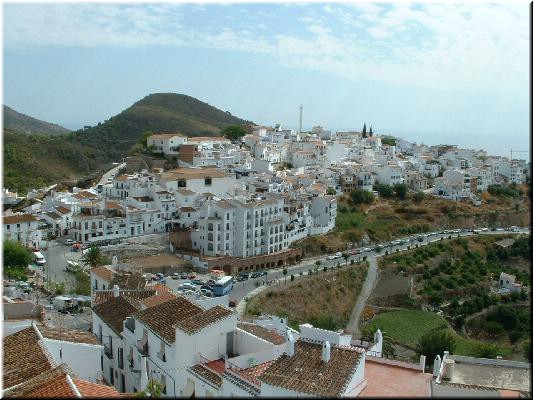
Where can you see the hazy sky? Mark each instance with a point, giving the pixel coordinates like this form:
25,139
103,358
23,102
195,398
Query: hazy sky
430,72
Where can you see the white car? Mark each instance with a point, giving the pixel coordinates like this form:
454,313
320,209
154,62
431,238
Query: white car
69,242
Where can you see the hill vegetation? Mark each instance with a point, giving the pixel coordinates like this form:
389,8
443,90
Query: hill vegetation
160,112
38,158
24,123
324,299
34,161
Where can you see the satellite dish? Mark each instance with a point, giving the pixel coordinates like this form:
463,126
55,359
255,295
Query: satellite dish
114,261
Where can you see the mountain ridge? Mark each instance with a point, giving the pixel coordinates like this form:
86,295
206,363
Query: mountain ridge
20,122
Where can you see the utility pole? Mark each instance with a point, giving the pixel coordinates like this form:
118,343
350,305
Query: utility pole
301,112
517,151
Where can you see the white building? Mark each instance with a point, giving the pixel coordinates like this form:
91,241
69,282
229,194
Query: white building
23,228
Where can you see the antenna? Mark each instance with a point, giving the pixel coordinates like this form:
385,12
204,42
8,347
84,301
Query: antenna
301,112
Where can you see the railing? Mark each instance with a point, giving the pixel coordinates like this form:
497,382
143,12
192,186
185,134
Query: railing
108,351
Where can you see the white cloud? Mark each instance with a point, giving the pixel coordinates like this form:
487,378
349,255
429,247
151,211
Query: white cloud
448,46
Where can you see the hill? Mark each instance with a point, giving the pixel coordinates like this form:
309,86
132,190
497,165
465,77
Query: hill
24,123
34,161
160,112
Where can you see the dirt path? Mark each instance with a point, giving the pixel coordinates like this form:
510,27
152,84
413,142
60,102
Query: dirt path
370,281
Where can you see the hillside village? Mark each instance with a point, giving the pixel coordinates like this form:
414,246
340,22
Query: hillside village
230,208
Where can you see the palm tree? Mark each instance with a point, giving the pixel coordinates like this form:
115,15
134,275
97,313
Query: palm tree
368,336
93,257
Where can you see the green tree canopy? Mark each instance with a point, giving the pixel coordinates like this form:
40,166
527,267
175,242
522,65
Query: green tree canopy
385,191
16,259
435,342
401,190
359,196
143,140
93,257
233,132
331,191
486,350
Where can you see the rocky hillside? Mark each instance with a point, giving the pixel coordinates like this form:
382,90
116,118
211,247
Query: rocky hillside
24,123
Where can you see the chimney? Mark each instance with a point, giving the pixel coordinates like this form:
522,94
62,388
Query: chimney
423,363
436,366
326,351
290,344
116,291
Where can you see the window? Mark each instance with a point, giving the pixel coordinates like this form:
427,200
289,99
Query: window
182,183
210,247
210,227
207,181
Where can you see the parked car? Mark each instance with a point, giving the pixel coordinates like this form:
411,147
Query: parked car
160,275
187,286
175,275
197,282
191,276
242,277
69,242
211,282
207,292
183,275
255,274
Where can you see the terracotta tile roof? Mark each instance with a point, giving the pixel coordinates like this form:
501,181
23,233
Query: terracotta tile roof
305,372
88,195
49,384
89,389
263,333
112,205
101,296
161,318
63,210
185,191
207,375
103,272
24,358
17,219
253,373
114,311
158,299
208,317
128,281
188,209
194,173
68,336
165,135
143,199
53,215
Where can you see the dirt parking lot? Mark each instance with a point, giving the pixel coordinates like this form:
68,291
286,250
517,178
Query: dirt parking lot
165,263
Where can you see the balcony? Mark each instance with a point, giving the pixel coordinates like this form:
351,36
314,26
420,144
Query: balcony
108,351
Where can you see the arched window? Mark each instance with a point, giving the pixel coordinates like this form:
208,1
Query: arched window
210,237
210,226
210,246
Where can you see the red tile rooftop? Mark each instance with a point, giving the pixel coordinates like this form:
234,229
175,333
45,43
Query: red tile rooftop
218,366
385,380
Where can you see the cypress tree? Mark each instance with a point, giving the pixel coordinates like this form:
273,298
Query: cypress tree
364,130
370,133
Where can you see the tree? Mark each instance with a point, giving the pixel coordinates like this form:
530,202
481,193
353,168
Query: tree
527,350
153,389
234,132
370,133
364,130
16,259
346,256
435,342
317,263
387,349
285,274
401,190
419,196
93,257
359,196
143,140
384,190
486,350
331,191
